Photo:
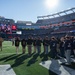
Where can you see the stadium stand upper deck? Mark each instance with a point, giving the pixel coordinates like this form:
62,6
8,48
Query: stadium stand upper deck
57,19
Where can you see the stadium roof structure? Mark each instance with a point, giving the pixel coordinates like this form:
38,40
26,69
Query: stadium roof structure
65,12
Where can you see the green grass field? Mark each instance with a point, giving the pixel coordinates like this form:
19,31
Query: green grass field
22,63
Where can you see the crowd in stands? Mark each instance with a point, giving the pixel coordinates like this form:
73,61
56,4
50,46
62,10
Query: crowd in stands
5,28
65,29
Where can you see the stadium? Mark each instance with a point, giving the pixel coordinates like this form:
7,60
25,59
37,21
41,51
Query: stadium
57,24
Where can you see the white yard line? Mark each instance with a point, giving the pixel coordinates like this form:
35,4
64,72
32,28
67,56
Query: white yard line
6,70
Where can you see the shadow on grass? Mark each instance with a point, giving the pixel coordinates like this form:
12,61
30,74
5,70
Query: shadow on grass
30,55
45,58
19,61
33,60
51,73
42,55
6,57
13,57
72,66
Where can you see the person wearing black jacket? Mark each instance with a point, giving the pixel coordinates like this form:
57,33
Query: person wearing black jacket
23,43
68,47
17,43
74,46
46,44
43,45
38,44
72,52
61,47
53,47
29,43
34,44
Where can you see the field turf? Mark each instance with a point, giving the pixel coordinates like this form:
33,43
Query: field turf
22,63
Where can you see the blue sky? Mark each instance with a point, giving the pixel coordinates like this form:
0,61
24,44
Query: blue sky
28,10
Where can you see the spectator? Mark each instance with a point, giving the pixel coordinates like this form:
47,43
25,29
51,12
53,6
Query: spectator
29,43
34,44
46,44
17,43
61,47
74,46
53,47
68,47
23,43
72,52
38,44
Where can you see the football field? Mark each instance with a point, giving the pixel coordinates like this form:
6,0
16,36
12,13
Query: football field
23,64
